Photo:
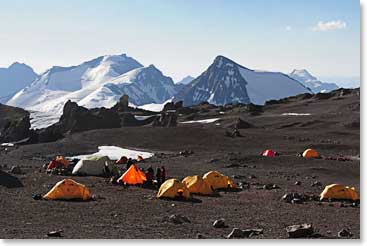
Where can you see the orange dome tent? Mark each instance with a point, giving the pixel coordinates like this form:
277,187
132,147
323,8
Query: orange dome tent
132,176
310,153
337,191
68,189
269,153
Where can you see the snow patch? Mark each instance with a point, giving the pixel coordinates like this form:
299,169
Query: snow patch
144,117
7,145
115,153
41,120
296,114
201,121
154,107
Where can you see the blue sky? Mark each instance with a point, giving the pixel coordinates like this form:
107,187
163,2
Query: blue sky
183,37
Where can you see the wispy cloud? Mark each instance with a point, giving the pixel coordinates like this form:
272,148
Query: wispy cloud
288,28
329,26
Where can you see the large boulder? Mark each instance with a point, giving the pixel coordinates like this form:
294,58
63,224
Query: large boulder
9,181
14,124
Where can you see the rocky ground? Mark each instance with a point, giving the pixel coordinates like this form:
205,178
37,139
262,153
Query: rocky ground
332,128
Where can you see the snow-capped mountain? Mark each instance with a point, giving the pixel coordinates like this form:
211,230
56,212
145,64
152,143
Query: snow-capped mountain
14,78
228,82
143,85
186,80
96,83
312,82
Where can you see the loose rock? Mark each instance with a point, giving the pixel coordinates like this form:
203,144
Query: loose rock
270,187
54,233
238,233
219,223
316,183
252,232
289,197
344,233
15,170
296,201
178,219
300,231
243,185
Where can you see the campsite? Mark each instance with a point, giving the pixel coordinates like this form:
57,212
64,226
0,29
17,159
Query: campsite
118,211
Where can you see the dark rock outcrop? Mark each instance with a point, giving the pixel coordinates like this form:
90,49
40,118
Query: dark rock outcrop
167,119
76,119
173,106
14,124
123,104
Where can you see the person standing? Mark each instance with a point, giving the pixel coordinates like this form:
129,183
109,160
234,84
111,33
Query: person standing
159,176
129,163
163,174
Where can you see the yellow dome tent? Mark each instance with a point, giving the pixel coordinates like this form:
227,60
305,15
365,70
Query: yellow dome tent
218,181
310,153
173,188
197,185
68,189
132,176
337,191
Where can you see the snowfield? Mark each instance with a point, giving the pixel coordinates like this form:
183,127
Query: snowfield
264,86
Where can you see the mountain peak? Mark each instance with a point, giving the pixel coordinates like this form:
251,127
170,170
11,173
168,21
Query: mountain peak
302,74
16,65
219,60
151,66
308,80
186,80
301,71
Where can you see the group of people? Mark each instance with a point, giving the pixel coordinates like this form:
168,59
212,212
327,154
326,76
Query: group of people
160,176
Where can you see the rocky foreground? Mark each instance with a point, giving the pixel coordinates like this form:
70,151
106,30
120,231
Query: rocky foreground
329,123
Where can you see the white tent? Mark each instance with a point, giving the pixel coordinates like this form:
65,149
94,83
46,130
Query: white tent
92,166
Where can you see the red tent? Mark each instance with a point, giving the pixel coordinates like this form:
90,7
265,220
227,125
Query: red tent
269,153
